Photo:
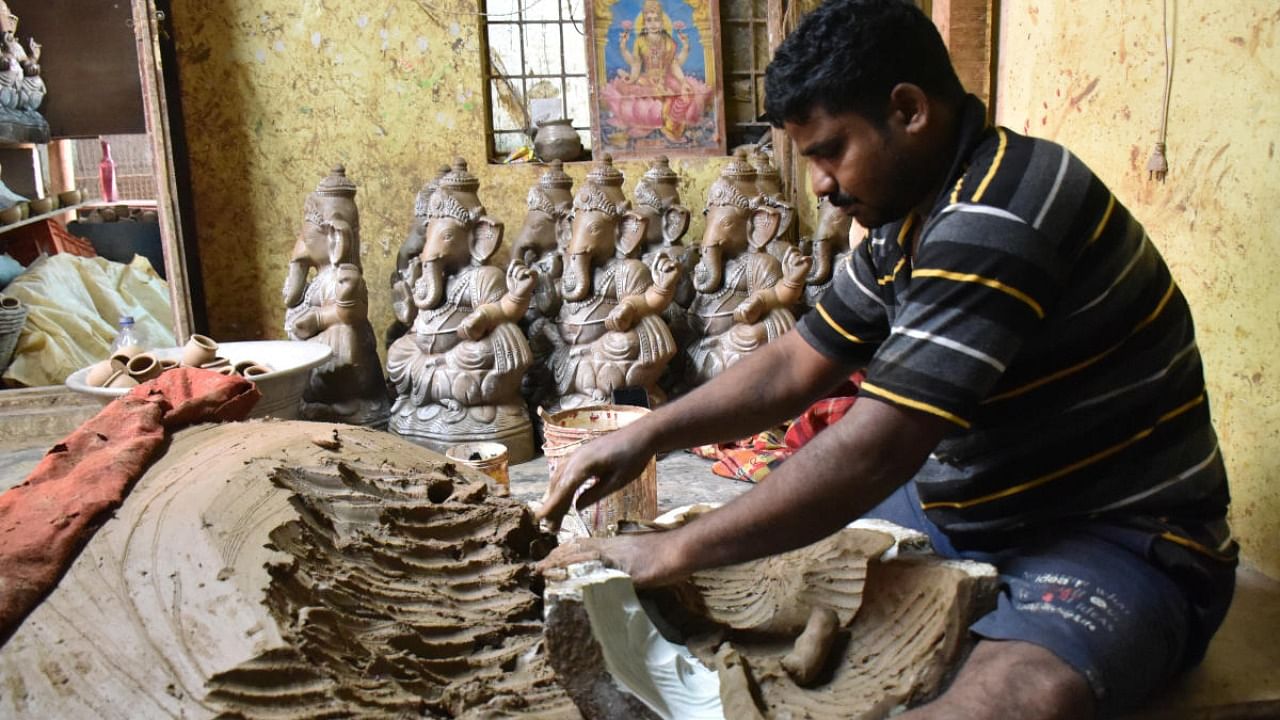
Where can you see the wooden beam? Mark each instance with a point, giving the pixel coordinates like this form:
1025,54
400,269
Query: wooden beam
968,27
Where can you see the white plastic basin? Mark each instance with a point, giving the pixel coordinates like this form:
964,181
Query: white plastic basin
290,363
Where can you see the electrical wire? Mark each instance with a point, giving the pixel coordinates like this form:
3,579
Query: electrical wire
1158,164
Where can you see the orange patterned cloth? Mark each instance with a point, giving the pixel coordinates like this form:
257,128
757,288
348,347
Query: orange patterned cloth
45,521
752,458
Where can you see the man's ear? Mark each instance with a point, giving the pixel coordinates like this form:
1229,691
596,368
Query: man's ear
909,107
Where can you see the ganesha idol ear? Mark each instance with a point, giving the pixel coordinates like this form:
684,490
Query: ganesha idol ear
631,229
485,239
564,231
764,225
675,223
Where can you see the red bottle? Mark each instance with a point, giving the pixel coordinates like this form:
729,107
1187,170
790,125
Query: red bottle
107,175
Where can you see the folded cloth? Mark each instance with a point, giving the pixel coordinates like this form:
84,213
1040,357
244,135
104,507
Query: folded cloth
47,519
751,459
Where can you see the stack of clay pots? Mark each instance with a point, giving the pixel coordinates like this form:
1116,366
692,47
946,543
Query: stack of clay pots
13,315
130,366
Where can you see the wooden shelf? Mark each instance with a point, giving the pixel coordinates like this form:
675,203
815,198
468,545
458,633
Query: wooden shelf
42,216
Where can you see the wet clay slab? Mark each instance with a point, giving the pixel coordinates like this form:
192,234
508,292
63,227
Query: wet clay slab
895,626
290,569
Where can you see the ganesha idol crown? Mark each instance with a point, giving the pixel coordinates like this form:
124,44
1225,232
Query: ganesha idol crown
555,178
660,171
736,186
591,198
604,173
335,186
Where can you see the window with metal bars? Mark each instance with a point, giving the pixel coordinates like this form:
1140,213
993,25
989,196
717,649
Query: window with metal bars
536,69
744,36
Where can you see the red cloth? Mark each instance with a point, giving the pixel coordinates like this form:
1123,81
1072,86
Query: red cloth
47,519
752,458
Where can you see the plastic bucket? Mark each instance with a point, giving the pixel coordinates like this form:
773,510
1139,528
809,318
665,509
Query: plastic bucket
566,431
489,458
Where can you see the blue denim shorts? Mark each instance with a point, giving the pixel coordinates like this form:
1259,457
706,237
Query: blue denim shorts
1101,597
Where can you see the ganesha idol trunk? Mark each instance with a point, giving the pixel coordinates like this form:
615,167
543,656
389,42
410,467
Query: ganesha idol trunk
568,430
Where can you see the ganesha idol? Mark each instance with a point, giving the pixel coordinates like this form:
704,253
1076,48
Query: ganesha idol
540,245
332,308
744,294
610,331
457,371
831,248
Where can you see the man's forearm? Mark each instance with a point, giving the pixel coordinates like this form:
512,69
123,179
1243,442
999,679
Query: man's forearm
842,473
772,385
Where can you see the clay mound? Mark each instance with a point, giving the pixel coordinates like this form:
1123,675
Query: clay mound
252,572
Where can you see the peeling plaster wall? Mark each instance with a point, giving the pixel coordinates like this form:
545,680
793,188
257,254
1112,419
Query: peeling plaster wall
1090,75
275,92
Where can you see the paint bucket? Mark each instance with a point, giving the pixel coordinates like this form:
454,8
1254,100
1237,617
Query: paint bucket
489,458
566,431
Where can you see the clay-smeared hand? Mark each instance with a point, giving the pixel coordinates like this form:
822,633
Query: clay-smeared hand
643,556
613,460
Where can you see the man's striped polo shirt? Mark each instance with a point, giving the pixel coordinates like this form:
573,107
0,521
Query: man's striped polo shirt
1039,319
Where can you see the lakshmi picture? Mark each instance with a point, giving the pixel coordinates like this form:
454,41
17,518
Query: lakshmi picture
655,77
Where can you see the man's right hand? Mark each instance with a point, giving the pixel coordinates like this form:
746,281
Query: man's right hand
614,460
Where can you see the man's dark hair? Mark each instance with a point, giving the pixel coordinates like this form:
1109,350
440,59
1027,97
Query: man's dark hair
848,55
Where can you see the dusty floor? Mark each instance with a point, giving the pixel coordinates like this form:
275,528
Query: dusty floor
1239,671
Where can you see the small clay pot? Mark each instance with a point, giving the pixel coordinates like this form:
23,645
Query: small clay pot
40,206
122,356
122,379
101,373
199,350
70,197
217,364
169,363
24,208
225,370
144,367
11,215
254,371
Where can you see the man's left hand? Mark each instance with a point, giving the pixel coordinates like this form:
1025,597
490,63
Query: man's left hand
646,557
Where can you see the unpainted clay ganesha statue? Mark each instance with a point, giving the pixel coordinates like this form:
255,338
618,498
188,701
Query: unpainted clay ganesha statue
610,330
769,184
831,249
402,307
333,308
457,372
540,245
744,294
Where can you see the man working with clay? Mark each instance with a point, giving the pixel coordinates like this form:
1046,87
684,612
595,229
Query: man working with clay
1034,395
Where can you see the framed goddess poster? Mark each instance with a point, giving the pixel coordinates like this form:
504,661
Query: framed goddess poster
655,77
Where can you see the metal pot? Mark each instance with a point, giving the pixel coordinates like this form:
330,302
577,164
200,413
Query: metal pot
557,140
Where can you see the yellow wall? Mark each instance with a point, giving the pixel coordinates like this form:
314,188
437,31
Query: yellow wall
1090,74
276,91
